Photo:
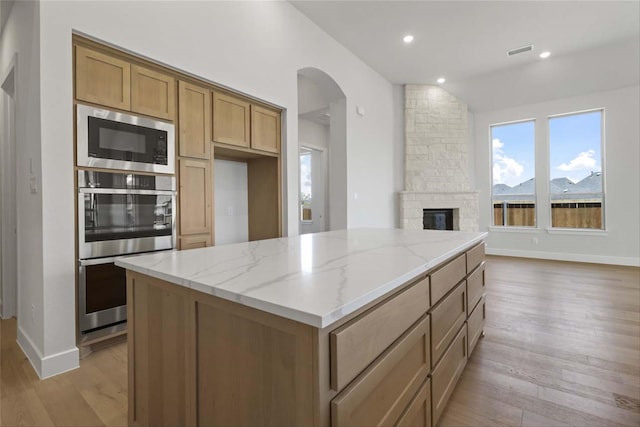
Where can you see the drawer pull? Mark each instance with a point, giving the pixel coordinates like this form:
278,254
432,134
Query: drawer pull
464,346
464,301
484,315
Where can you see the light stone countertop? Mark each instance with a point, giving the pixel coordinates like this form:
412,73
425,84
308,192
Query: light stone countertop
314,279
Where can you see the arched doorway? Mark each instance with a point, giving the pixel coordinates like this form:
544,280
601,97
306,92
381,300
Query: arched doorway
322,144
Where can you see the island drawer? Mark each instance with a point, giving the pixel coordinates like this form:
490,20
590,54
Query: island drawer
475,287
379,395
418,414
357,343
446,277
475,256
446,319
446,374
475,323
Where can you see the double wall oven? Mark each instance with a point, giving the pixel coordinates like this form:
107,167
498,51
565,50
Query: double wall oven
126,205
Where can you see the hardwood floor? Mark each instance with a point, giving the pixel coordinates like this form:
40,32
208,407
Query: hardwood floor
562,348
93,395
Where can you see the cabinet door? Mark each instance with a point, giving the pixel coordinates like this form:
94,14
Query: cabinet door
102,79
446,319
418,413
194,109
195,197
153,93
265,129
194,242
445,375
379,395
231,120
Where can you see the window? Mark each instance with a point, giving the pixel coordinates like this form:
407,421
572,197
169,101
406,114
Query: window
513,192
575,157
305,186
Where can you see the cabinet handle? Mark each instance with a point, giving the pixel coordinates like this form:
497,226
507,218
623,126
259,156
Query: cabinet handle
464,300
464,346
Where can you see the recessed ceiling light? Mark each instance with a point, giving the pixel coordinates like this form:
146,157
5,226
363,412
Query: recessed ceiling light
545,54
441,80
408,38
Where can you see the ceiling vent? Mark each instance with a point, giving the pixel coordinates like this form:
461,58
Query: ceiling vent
520,50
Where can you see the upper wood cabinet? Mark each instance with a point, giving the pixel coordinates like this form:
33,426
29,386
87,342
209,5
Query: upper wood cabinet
102,79
194,109
112,82
265,129
152,93
231,118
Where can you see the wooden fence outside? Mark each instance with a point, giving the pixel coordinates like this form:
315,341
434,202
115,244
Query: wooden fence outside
563,215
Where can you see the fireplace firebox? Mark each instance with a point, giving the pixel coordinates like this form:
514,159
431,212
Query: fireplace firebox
437,219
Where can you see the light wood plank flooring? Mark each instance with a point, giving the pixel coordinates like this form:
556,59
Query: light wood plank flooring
562,348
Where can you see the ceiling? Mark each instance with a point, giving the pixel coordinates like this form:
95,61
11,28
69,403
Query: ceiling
466,41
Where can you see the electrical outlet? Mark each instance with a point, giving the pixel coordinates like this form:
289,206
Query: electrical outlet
230,211
534,240
33,313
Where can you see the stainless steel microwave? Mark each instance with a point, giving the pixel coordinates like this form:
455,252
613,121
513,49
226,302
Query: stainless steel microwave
113,140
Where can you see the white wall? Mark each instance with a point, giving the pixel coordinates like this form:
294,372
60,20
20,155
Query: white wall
231,202
253,47
620,243
312,134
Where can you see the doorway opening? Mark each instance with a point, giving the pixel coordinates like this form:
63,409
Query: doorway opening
8,205
322,148
312,190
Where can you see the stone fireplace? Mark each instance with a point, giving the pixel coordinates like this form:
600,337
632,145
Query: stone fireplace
436,158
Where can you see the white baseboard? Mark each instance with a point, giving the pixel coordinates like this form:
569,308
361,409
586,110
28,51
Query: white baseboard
557,256
48,366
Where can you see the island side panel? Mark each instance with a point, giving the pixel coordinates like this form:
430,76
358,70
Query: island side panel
253,368
159,339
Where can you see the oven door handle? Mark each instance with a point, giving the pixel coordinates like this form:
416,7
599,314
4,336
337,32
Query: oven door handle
95,261
125,191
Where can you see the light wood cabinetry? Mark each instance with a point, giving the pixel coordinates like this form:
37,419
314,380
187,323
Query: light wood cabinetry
418,413
231,120
475,288
241,366
447,318
114,82
153,93
446,277
355,345
446,373
382,392
102,79
265,129
194,124
475,256
475,323
159,345
195,194
194,241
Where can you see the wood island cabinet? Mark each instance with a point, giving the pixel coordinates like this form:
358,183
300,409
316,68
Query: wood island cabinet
242,366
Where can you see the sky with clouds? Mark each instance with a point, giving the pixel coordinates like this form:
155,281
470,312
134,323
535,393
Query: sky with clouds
574,148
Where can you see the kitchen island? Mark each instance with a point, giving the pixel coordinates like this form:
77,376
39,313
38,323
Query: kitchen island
350,327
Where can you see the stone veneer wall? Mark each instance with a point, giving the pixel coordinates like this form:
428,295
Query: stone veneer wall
436,138
436,158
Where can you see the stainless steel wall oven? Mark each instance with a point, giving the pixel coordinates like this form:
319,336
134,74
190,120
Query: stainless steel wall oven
118,214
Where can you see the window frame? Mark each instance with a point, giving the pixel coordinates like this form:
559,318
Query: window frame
492,225
571,230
